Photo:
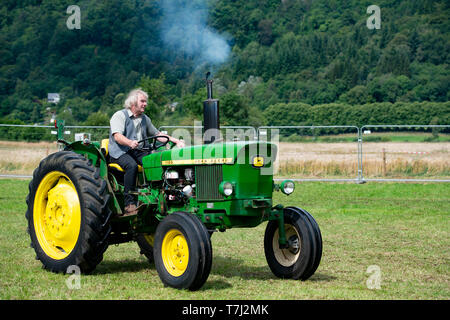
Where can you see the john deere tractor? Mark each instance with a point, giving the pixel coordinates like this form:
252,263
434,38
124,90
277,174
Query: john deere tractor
75,206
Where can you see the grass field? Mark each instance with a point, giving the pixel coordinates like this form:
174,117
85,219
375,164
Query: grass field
401,228
23,157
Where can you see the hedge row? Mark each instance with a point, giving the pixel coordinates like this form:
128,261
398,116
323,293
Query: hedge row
400,113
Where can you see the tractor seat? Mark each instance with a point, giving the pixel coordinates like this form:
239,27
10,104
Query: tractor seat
116,166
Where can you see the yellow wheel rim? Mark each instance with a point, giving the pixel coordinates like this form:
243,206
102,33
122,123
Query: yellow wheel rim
175,252
57,215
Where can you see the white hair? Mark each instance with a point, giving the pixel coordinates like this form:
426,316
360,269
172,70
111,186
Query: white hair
133,97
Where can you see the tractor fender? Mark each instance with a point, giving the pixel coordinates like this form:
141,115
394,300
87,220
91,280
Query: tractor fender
91,152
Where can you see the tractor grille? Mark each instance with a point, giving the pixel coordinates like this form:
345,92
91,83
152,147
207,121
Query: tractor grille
207,183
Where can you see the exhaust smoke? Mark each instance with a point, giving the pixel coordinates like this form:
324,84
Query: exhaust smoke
184,29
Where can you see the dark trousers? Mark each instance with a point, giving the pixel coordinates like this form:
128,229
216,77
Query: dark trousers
129,163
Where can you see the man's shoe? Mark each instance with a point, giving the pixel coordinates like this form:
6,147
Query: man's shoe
130,210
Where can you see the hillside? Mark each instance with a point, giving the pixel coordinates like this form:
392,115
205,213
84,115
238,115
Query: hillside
261,53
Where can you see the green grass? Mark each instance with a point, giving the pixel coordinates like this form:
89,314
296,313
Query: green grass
402,228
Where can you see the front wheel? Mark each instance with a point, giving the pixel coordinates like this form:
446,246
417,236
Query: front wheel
302,256
182,251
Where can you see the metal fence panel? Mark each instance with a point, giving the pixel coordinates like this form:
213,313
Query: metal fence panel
414,153
315,153
306,153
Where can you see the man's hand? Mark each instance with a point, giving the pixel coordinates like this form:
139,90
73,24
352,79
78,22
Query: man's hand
121,139
180,143
133,144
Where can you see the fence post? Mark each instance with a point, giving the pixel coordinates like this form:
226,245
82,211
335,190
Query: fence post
360,157
59,124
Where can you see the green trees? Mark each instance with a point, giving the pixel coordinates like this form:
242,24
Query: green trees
156,90
303,52
234,110
97,119
330,55
193,103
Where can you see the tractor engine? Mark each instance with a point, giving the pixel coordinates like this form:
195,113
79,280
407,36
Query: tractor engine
178,184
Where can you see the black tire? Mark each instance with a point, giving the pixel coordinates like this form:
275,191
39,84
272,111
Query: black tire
317,242
207,262
66,181
298,261
145,242
189,234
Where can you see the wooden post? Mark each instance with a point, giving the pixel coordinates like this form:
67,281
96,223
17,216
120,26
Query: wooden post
384,162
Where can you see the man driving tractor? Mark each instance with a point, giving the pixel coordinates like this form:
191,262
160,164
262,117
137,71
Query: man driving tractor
127,128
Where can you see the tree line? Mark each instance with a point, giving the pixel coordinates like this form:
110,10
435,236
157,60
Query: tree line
317,56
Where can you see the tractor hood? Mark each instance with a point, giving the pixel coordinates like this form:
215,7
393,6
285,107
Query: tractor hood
219,153
257,154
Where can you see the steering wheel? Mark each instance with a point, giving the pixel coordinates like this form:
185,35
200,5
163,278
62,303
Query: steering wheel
153,145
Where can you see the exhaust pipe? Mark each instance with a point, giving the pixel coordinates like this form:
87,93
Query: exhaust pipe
211,123
209,88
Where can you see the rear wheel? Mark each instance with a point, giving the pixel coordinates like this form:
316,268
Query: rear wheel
145,242
302,256
68,215
182,251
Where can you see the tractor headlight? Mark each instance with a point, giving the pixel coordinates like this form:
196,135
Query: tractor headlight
226,188
287,187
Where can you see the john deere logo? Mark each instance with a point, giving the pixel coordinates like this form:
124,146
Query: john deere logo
258,161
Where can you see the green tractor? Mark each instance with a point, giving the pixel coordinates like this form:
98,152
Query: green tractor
75,206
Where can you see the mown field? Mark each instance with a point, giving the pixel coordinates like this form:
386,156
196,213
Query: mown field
403,229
